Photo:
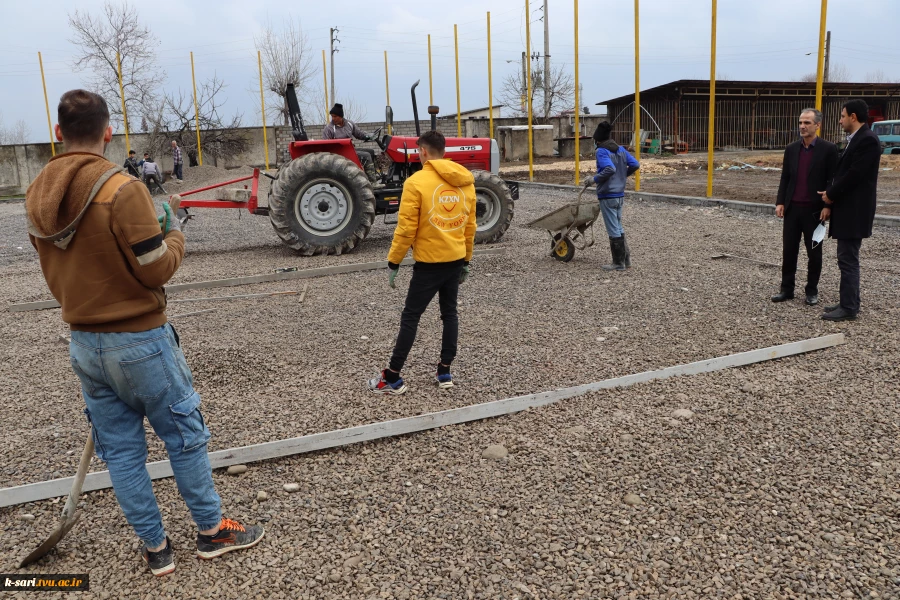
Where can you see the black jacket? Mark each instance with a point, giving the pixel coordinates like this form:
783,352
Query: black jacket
853,189
132,166
821,171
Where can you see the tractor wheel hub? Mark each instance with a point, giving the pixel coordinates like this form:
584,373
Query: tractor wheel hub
322,207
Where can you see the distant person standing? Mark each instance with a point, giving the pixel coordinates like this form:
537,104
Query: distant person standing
178,163
808,167
132,166
851,198
614,165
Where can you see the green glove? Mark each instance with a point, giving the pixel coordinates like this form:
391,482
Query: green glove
168,222
368,138
464,274
392,274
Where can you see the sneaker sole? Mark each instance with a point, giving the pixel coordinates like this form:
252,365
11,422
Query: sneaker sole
389,391
227,549
160,572
444,385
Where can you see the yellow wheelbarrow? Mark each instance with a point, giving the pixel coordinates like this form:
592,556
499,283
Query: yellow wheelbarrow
567,226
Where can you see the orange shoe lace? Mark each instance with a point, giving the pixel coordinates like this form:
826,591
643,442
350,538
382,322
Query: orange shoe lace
230,525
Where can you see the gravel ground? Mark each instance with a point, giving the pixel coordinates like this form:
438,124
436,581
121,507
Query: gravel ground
783,484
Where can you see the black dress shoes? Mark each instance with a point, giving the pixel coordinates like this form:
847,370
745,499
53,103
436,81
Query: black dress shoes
832,307
839,314
783,296
812,299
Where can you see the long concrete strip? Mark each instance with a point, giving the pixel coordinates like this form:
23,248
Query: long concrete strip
265,278
373,431
751,207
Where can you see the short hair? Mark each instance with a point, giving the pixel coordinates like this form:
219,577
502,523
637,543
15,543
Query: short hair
817,114
859,108
433,140
130,152
82,116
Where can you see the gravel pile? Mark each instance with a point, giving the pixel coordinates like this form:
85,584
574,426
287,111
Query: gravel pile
778,480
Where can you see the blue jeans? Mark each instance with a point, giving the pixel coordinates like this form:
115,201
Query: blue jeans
177,170
611,208
124,378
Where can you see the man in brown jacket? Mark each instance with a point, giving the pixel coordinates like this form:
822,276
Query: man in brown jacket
105,260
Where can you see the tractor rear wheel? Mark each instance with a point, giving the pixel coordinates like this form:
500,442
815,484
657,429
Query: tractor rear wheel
321,203
494,207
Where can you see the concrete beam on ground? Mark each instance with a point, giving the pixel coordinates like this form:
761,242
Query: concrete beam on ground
265,278
342,437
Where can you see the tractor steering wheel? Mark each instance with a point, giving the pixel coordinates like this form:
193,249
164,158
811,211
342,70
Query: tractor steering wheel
376,135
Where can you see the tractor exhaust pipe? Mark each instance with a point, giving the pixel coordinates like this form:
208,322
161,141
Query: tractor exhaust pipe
412,91
433,111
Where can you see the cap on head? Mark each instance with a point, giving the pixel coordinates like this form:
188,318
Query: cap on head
338,110
603,132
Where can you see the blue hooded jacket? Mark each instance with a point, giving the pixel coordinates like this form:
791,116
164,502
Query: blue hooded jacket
614,165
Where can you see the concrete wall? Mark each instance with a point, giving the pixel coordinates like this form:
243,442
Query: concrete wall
20,164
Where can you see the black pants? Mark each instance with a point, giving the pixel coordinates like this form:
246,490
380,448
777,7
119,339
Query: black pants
848,262
154,180
422,289
800,222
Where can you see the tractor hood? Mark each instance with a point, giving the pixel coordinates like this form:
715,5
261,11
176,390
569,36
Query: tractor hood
454,174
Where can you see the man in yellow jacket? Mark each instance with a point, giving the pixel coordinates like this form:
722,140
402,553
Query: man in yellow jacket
437,218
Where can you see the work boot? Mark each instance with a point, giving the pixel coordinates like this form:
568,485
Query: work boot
617,249
627,252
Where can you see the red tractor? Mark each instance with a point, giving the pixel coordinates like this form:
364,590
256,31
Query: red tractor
322,202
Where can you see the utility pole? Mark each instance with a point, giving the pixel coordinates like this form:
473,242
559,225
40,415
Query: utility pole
546,62
332,32
827,54
524,78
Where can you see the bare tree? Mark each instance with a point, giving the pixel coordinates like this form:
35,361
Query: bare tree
562,94
173,118
19,133
879,76
286,58
837,73
117,29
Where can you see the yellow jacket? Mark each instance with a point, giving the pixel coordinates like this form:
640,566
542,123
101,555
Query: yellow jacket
437,215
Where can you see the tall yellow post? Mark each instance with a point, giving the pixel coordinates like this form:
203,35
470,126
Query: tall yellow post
458,109
490,80
387,88
325,79
196,113
430,87
712,106
577,108
47,105
262,101
122,96
637,91
820,68
528,91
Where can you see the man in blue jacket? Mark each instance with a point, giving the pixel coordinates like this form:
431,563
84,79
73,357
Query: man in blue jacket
614,165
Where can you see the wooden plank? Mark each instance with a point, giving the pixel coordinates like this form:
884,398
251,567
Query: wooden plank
238,297
264,278
373,431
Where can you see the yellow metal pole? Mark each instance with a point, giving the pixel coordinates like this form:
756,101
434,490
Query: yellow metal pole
490,80
47,105
577,108
528,91
122,95
637,92
458,113
262,101
387,88
196,113
820,69
712,106
430,88
325,79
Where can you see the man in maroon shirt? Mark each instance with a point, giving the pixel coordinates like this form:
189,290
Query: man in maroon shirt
809,165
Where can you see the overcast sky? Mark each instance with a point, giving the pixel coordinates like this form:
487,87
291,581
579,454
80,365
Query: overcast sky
760,40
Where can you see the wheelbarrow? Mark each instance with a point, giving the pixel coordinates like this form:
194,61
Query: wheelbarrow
567,226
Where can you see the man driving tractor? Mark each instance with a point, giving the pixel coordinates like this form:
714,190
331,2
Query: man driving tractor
340,128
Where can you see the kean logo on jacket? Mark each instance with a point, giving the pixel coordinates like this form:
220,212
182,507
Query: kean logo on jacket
448,208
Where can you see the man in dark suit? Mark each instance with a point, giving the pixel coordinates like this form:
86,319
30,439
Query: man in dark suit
851,198
809,165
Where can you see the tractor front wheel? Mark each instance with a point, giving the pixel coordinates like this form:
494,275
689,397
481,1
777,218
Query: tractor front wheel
493,207
321,203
